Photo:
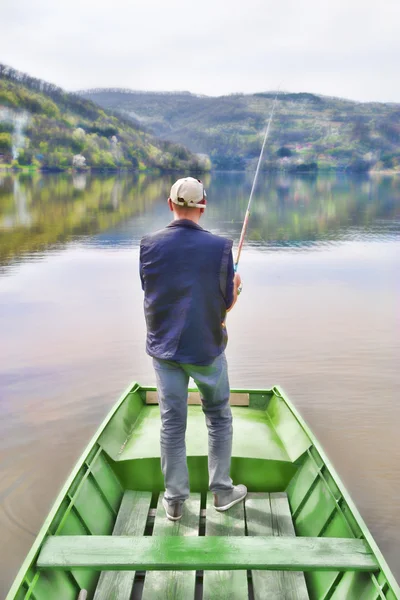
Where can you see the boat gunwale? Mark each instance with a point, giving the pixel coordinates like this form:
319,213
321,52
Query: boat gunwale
384,567
134,387
35,548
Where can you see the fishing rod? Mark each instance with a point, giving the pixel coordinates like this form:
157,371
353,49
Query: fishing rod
247,215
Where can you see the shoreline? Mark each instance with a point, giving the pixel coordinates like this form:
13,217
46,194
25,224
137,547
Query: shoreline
70,170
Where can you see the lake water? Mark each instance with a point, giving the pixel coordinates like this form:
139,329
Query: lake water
319,315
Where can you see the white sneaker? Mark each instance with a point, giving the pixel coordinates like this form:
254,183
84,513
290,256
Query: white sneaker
174,510
225,500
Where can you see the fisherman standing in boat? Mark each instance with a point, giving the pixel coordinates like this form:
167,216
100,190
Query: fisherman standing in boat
189,285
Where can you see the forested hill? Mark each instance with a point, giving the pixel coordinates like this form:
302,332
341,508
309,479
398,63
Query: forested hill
44,126
308,132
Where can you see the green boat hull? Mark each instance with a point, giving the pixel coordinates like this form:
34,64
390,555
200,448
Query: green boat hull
274,454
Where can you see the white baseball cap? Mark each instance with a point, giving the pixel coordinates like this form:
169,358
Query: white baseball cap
188,192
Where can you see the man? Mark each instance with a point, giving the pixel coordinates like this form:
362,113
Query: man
189,285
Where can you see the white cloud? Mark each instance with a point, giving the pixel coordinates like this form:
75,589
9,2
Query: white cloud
341,48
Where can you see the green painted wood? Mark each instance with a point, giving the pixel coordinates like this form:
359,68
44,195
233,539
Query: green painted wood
288,428
54,584
255,436
120,424
302,483
294,582
354,586
131,520
268,515
299,491
316,511
174,585
102,553
257,474
107,481
225,585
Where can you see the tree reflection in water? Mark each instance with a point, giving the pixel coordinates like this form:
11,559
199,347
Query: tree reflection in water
38,211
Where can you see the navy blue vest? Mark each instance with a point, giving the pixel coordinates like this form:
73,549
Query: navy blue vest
184,272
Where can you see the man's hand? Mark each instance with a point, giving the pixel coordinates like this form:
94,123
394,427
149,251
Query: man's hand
237,282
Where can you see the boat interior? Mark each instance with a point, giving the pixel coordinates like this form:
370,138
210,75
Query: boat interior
296,536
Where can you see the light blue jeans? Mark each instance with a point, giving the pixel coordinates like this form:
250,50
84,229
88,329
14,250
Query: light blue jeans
213,384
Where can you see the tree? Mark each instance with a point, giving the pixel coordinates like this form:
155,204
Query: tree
5,142
7,98
6,127
25,157
284,152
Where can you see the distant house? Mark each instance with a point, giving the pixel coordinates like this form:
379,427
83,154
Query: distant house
79,161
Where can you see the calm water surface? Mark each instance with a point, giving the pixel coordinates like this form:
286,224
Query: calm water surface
319,315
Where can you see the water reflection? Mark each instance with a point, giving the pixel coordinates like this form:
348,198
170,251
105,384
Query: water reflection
38,211
299,210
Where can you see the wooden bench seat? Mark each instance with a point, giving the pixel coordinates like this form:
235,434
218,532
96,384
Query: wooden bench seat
169,553
235,398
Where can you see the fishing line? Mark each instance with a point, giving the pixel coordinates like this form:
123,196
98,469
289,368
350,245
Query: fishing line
247,215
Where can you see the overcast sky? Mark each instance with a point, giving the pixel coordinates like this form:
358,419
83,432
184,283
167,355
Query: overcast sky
347,48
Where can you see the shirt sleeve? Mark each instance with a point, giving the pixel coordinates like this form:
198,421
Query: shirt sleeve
229,282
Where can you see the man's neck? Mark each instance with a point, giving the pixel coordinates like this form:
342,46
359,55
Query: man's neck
189,217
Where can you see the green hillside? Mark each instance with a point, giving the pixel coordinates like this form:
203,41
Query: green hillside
309,132
45,127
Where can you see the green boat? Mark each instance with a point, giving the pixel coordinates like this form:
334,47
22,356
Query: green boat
298,535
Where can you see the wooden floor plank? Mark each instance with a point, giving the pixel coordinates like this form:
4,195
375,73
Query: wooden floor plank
294,581
225,585
174,585
131,520
268,515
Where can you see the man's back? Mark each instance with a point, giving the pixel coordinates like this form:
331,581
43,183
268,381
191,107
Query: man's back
187,276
